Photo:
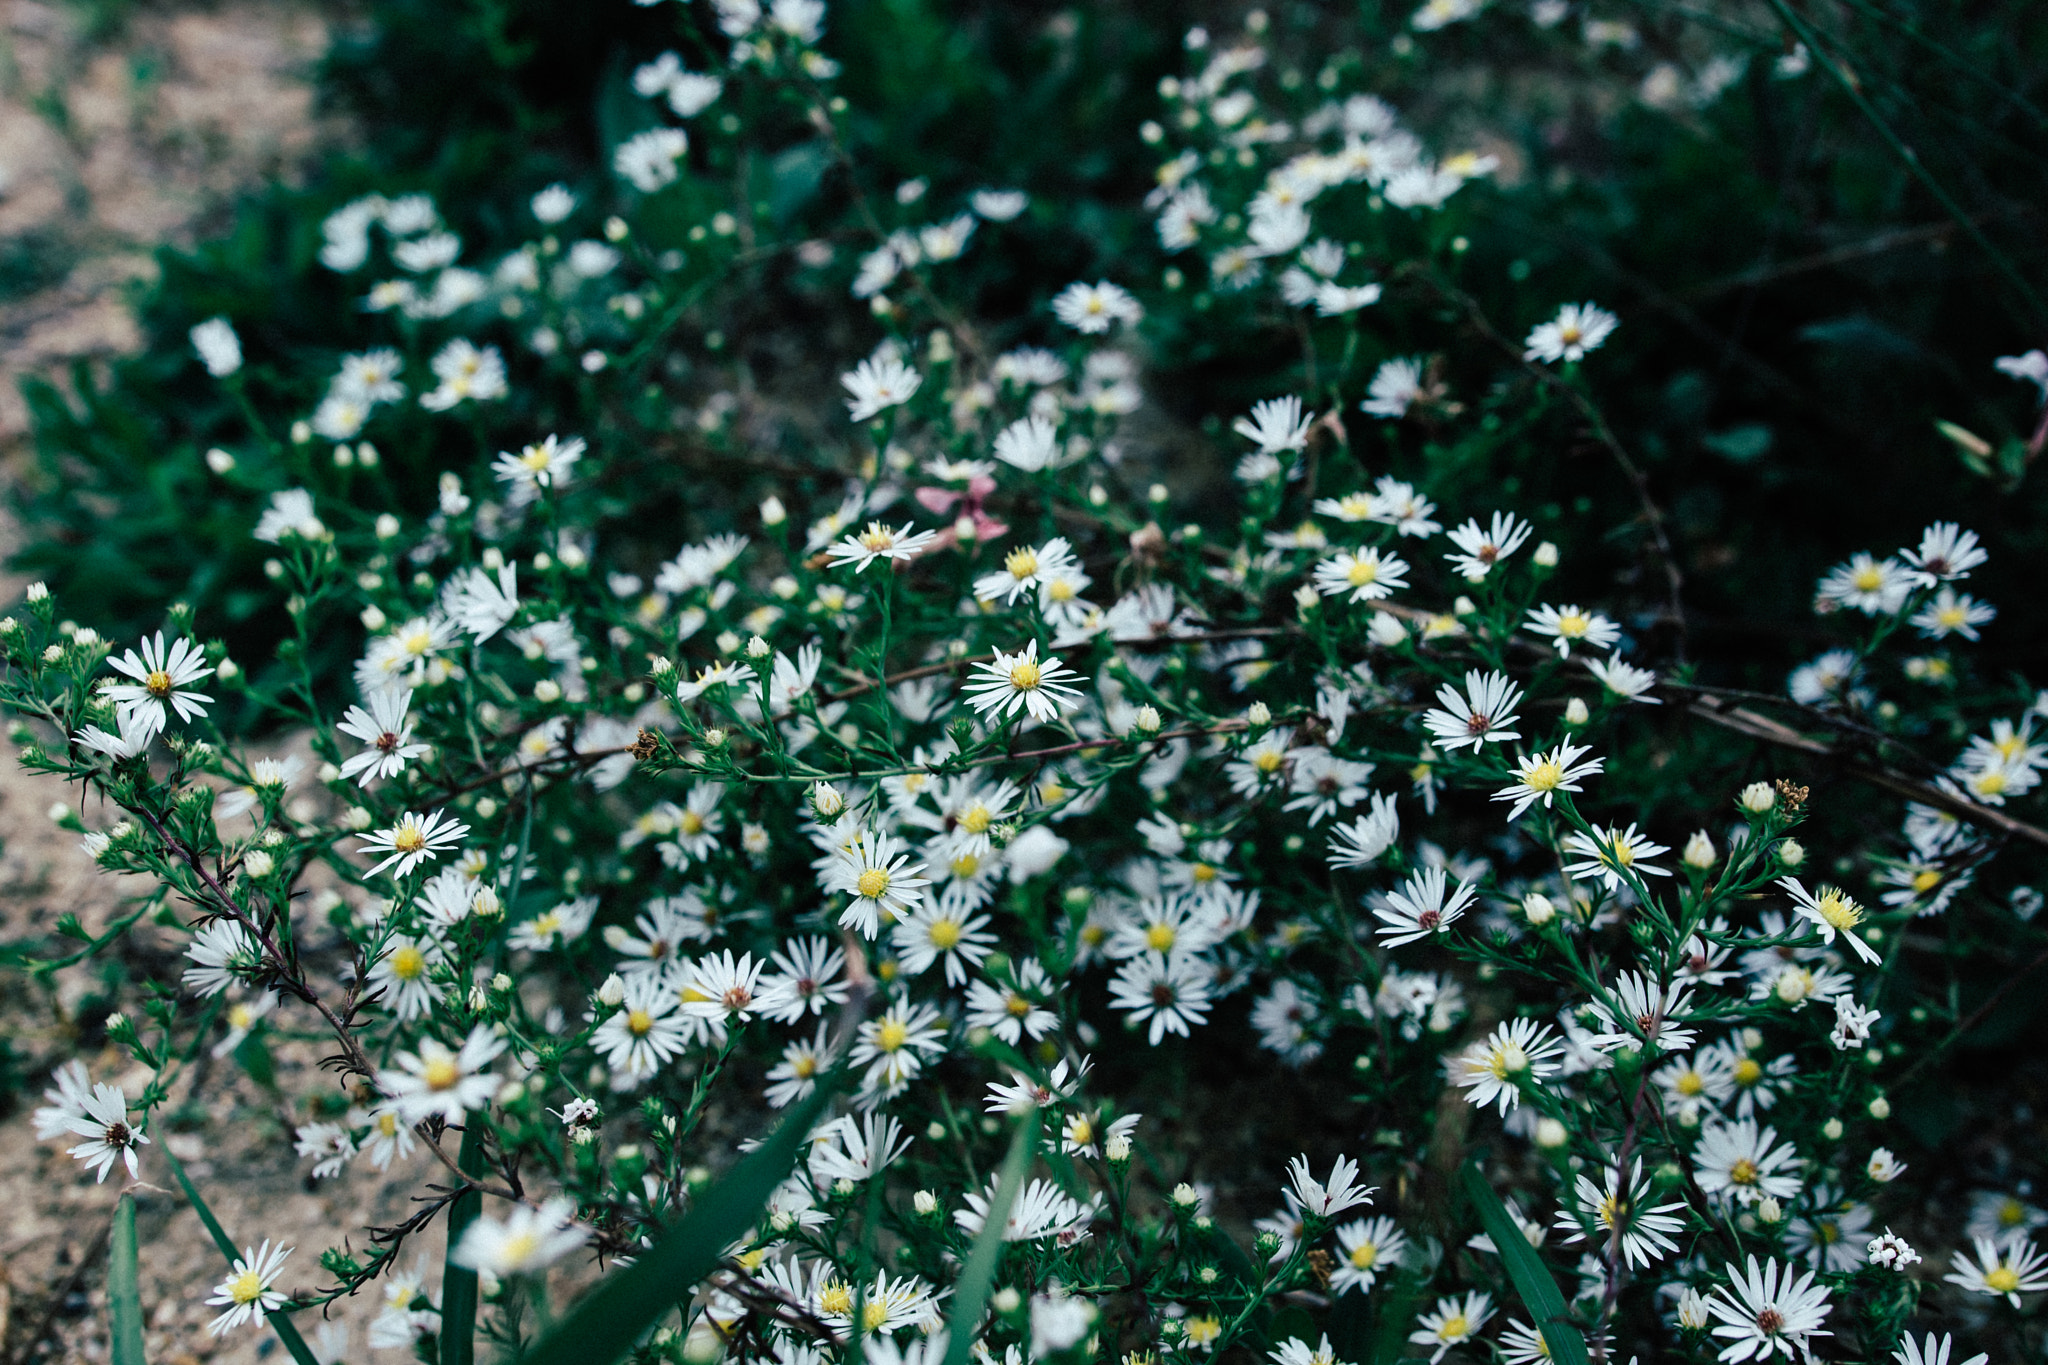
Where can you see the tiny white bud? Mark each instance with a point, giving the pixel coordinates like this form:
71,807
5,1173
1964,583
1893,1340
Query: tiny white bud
1769,1210
1537,909
612,991
1880,1108
1006,1300
1791,852
219,461
826,801
1147,720
547,690
1699,851
1832,1130
374,618
1550,1134
257,863
773,513
1258,715
925,1202
1758,797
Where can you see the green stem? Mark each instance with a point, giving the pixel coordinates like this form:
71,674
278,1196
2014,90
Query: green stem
279,1323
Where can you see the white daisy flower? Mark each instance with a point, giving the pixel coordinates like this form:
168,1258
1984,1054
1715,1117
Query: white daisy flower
1540,776
247,1290
884,884
162,677
1518,1053
384,727
1611,854
1452,1322
1569,625
102,1118
1768,1311
527,1241
1577,329
879,542
2005,1269
1022,681
436,1080
1095,308
1366,574
1172,991
873,387
1478,716
1421,907
1480,548
1833,911
414,839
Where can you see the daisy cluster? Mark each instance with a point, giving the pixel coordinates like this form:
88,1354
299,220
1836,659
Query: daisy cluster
946,788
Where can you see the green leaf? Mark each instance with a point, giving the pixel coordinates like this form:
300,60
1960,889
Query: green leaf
124,1296
458,1282
1526,1269
606,1323
970,1291
279,1323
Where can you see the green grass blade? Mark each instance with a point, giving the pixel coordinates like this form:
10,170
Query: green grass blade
279,1323
124,1293
609,1319
458,1283
1526,1269
970,1291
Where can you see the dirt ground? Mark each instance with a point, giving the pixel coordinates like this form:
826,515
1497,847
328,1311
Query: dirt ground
123,127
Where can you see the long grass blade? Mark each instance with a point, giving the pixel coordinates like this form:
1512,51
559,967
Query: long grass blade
606,1323
458,1282
124,1292
1525,1268
970,1291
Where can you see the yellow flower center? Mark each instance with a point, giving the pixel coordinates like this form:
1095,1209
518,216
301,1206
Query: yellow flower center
836,1300
690,822
1455,1328
441,1073
519,1248
246,1287
1926,881
892,1035
2011,1213
804,1067
1081,1132
408,963
1950,618
875,539
1507,1059
387,1123
1159,938
1838,910
872,883
1611,1211
1691,1083
241,1017
1365,1255
639,1023
874,1313
419,642
408,838
944,934
1021,563
2003,1280
1202,872
1268,760
1546,776
1060,590
1743,1172
976,820
1024,675
158,683
965,866
1574,624
1017,1005
536,458
1362,572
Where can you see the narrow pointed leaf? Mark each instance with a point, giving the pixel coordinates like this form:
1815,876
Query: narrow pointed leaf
970,1291
609,1319
1532,1281
124,1293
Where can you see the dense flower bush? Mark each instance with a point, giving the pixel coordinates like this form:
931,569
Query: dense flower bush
1336,921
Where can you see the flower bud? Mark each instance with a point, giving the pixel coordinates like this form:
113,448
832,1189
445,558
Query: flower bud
1545,555
1006,1300
1550,1134
373,618
1699,851
257,863
219,461
1537,909
1832,1130
1184,1196
1769,1211
1757,798
925,1202
773,513
826,801
1147,720
1258,715
1575,712
547,690
1880,1108
1791,852
612,991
